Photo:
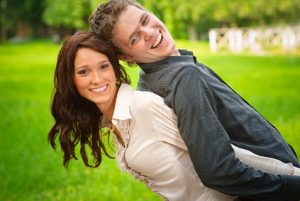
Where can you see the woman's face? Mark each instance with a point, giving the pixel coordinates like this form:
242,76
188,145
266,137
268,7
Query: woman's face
95,78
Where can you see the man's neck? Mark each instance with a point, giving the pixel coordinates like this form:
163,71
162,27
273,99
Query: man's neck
175,53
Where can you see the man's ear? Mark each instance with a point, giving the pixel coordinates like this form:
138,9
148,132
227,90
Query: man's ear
126,58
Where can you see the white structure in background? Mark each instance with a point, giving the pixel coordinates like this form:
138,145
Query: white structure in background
255,40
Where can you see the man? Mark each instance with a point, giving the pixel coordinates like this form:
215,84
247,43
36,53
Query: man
210,114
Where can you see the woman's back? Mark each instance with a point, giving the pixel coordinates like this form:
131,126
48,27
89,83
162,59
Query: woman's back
154,151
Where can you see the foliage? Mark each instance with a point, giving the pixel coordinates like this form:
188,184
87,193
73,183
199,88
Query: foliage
185,19
69,14
96,3
13,12
195,17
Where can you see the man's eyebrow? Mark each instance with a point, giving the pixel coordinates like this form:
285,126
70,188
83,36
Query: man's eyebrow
144,16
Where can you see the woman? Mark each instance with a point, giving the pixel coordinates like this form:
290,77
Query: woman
92,93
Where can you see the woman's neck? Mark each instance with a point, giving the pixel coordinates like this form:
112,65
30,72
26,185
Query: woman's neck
108,109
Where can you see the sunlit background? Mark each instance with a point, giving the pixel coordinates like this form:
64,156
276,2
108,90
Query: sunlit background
253,45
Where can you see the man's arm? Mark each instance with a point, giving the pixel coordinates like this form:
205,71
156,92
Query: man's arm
209,145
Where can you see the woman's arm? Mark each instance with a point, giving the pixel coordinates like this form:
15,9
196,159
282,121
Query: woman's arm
265,164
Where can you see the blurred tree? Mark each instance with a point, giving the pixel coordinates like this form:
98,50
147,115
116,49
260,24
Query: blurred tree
3,24
96,3
68,16
165,10
192,13
193,17
33,11
185,19
261,12
16,14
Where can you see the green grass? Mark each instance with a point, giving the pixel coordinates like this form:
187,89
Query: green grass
31,170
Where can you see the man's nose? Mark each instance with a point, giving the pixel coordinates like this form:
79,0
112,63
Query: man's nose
148,32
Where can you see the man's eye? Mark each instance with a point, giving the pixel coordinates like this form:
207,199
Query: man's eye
134,39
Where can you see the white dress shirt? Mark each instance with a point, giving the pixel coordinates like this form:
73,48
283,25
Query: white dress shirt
155,153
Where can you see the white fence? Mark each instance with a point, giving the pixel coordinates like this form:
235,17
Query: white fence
255,40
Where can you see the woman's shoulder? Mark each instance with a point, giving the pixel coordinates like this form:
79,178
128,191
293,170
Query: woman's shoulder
144,101
146,96
150,104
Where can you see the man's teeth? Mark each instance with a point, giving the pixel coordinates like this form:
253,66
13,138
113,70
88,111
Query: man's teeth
158,41
99,89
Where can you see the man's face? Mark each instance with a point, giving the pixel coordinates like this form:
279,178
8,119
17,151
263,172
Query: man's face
142,36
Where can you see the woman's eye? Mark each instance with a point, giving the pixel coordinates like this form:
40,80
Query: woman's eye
83,72
104,66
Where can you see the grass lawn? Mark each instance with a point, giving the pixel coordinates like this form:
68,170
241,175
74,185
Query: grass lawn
31,170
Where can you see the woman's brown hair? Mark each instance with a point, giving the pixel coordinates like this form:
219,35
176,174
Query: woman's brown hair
78,120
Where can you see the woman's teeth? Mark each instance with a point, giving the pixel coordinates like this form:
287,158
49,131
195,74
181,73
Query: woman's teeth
99,89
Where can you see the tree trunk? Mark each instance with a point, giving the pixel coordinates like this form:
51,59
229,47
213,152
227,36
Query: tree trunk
193,35
3,35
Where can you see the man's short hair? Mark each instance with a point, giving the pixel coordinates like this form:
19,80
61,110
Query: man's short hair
103,20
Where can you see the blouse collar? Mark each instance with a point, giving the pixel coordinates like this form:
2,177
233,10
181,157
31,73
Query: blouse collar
122,107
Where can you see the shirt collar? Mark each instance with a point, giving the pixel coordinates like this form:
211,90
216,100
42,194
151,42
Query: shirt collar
185,56
122,107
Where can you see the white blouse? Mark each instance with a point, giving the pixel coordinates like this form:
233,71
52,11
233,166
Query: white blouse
155,153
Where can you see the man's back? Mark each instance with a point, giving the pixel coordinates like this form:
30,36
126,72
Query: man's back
212,118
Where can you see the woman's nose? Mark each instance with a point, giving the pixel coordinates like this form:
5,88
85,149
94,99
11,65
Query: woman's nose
95,78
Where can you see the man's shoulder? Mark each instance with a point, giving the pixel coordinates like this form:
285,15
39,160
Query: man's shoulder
168,75
186,70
